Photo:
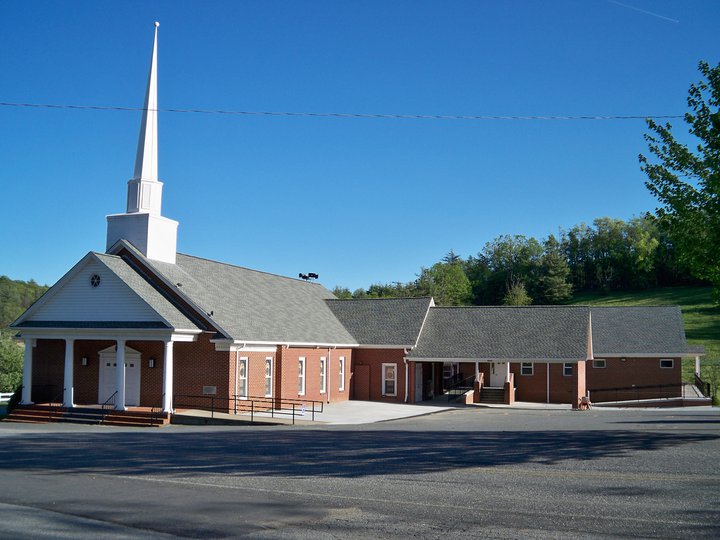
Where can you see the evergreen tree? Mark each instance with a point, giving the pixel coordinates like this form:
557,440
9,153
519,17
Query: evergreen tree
516,295
555,287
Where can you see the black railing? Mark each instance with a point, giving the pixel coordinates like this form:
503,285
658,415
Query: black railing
15,399
703,386
55,405
460,388
155,411
249,405
108,406
638,393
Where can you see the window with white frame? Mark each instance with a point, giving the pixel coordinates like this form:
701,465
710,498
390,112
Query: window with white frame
242,378
667,363
268,376
301,376
341,386
323,374
526,368
389,379
599,364
567,369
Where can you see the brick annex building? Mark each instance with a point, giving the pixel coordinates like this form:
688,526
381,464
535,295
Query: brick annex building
142,324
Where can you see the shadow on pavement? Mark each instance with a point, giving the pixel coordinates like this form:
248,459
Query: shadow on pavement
337,453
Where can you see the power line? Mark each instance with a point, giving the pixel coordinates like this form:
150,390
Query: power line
352,115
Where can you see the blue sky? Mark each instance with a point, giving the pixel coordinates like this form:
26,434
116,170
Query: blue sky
357,201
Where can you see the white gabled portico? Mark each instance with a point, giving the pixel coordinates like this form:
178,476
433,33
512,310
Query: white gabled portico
106,297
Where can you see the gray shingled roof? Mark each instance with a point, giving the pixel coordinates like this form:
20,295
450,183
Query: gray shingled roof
513,333
254,306
382,321
637,330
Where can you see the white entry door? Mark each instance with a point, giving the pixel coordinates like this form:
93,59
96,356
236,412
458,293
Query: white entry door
108,365
498,373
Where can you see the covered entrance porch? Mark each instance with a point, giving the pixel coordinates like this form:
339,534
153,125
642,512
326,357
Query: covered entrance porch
452,379
112,369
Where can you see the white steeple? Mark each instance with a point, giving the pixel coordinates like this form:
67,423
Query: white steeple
142,225
144,189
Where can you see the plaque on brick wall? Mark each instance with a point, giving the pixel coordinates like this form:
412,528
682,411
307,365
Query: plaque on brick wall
209,390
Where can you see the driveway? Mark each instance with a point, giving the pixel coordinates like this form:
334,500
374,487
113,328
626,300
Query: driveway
465,473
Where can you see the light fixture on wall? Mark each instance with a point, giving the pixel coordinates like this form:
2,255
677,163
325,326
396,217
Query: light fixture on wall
151,363
84,360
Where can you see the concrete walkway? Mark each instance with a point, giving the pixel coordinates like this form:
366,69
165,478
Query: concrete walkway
368,412
342,413
353,413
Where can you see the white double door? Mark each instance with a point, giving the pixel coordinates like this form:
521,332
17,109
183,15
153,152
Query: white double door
108,365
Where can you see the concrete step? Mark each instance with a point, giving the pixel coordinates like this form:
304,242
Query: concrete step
41,414
492,395
87,416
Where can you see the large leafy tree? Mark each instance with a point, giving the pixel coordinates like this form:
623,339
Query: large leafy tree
686,181
447,283
11,363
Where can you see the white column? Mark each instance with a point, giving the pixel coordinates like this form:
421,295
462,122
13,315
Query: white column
68,384
27,372
507,371
477,371
168,377
697,365
120,375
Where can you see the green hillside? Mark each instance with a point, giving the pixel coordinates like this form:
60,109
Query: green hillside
702,320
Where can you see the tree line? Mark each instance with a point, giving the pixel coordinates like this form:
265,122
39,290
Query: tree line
609,255
15,297
678,244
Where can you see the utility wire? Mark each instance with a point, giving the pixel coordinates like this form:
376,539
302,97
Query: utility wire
352,115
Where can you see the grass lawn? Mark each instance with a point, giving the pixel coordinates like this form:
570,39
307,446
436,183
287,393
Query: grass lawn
702,320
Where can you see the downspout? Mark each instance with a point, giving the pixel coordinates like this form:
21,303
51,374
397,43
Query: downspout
548,381
237,366
407,376
328,370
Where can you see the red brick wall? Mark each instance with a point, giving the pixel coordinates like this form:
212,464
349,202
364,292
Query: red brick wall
288,378
198,364
87,378
255,372
374,358
563,389
48,369
581,381
633,371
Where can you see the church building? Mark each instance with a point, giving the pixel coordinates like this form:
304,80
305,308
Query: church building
141,325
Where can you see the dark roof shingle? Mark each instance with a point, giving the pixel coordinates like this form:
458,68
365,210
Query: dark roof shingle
382,321
512,333
249,305
619,330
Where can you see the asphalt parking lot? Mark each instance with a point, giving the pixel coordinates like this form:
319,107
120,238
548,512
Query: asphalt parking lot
465,473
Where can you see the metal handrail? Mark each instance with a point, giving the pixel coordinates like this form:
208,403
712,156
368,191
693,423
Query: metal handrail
459,388
108,406
703,386
55,404
155,411
637,390
290,406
